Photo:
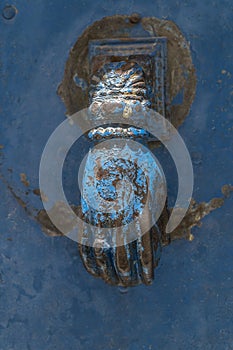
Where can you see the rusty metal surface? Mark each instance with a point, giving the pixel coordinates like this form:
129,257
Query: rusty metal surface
119,177
149,54
47,300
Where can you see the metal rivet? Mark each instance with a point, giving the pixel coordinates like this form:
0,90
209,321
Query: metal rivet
9,12
135,18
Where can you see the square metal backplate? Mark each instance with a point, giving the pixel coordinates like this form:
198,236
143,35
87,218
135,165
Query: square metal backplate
149,53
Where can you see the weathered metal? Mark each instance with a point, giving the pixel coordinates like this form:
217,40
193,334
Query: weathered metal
121,87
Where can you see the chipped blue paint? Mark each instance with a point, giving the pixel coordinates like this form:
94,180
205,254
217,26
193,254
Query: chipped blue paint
188,308
110,132
121,181
114,84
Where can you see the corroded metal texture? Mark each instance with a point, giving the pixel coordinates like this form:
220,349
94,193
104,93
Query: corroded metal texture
121,183
110,132
124,81
109,180
136,69
126,265
179,76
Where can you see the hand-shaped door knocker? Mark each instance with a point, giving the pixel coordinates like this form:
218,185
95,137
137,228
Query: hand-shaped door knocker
120,178
123,220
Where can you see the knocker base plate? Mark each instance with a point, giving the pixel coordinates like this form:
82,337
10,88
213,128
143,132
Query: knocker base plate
149,53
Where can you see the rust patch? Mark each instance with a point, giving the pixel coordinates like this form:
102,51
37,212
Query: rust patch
226,190
23,179
196,212
180,79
